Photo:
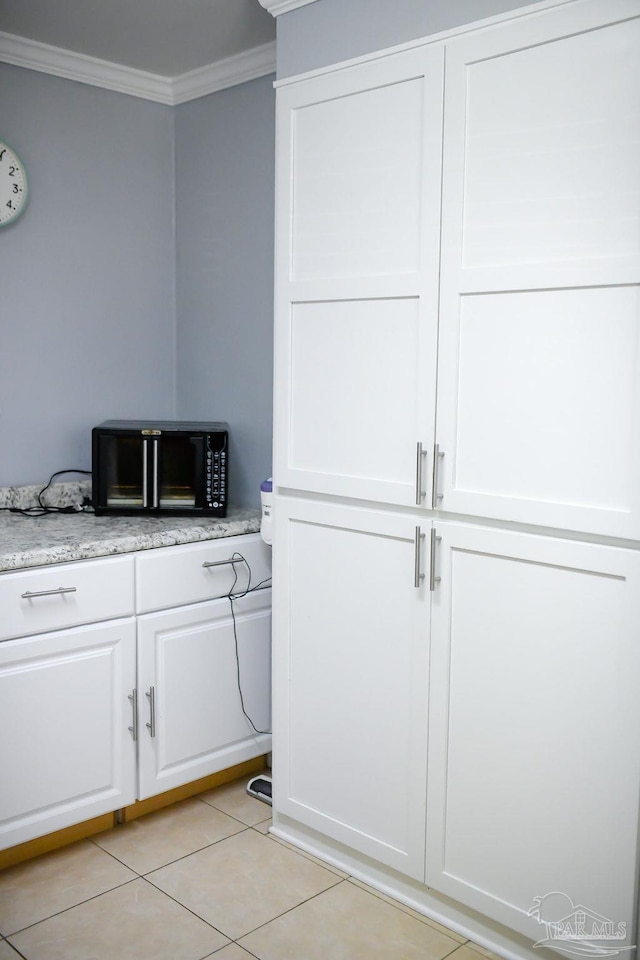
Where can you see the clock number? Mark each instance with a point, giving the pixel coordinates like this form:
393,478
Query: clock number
12,171
16,188
2,153
10,204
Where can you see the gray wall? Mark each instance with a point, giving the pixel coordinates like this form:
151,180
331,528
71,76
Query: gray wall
225,152
328,31
126,196
87,317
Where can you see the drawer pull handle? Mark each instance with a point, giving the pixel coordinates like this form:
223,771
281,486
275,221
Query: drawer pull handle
29,594
221,563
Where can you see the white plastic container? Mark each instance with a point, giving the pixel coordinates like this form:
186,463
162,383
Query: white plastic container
266,497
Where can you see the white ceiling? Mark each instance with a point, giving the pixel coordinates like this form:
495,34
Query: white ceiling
167,38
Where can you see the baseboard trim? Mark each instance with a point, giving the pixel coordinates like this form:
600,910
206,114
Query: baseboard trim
88,828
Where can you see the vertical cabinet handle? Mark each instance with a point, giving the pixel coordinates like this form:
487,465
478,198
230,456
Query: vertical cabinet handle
432,560
151,697
438,454
133,729
420,454
417,540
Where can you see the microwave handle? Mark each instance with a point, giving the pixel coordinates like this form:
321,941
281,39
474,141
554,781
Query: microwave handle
155,473
199,443
145,488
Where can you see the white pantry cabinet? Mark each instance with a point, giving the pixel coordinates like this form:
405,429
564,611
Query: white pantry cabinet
351,678
534,729
474,682
478,255
458,351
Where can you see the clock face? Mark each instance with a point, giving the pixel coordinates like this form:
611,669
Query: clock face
13,185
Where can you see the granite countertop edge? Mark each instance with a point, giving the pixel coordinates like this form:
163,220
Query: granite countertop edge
27,542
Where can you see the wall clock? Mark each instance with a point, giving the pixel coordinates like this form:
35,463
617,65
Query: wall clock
13,185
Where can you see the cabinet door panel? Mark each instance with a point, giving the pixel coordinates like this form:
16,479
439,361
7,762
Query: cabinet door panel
345,422
357,183
188,657
547,403
66,752
359,160
534,769
351,680
539,353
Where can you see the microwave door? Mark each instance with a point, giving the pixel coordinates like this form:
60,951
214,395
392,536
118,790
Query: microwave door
122,479
179,469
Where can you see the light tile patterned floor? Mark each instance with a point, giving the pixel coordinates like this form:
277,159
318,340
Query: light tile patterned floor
203,880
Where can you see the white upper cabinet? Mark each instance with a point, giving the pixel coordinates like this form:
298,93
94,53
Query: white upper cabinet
539,351
358,182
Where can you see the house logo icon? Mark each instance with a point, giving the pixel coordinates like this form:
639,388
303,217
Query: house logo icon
577,930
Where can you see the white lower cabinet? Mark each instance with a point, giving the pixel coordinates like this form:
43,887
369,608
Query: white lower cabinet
534,733
351,680
204,690
66,753
99,708
481,737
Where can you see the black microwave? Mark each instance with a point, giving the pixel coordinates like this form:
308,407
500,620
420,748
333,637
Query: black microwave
160,467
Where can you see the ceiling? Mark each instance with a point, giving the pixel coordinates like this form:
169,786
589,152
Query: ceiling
166,38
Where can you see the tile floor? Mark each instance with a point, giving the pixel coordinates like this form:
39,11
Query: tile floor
204,879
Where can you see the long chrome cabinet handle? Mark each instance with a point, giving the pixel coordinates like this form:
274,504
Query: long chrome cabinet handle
432,560
438,454
133,729
420,455
220,563
151,696
29,594
417,540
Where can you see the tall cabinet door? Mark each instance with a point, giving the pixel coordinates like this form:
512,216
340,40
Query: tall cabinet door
358,200
534,749
539,376
351,678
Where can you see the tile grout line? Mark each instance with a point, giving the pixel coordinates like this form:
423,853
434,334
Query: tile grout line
284,913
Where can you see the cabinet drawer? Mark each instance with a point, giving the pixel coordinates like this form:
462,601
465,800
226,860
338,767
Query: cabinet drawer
65,595
174,576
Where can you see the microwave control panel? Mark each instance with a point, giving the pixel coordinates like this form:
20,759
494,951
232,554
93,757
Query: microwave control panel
216,493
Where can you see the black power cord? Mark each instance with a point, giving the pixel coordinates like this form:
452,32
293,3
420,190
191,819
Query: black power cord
232,597
43,508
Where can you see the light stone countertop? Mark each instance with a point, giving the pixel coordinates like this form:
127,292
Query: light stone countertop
59,538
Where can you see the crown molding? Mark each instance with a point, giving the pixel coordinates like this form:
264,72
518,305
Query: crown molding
76,66
69,65
240,68
276,7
